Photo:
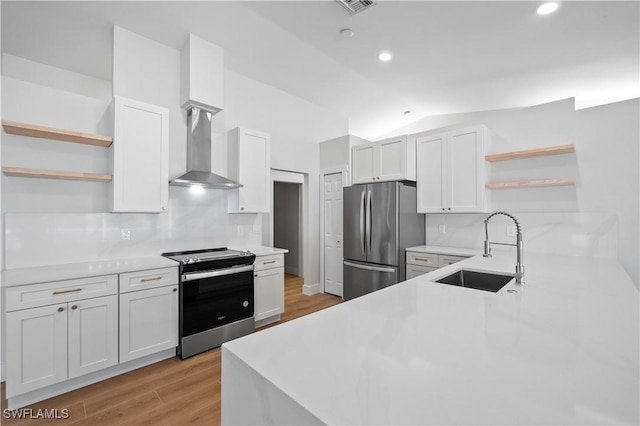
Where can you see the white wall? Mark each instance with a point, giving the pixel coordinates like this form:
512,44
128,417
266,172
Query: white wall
576,219
65,221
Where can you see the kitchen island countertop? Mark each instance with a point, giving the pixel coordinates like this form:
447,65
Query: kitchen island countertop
563,349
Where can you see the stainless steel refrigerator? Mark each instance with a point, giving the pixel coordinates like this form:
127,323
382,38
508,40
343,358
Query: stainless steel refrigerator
380,222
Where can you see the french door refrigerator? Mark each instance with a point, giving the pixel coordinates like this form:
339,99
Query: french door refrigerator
380,221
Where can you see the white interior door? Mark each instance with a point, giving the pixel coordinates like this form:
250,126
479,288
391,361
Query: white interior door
333,233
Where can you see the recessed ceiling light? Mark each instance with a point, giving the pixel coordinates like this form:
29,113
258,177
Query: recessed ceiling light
547,8
346,33
385,56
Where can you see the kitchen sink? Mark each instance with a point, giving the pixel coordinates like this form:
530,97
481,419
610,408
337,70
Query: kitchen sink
478,280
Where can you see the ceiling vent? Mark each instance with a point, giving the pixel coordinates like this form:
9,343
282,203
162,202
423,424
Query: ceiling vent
356,6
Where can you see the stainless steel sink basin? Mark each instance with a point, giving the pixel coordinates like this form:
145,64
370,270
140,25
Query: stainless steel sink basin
478,280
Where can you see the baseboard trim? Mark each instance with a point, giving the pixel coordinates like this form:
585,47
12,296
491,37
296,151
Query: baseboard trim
311,289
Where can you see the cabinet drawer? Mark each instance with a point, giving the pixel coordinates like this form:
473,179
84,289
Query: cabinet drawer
268,262
422,259
446,260
31,296
414,271
151,278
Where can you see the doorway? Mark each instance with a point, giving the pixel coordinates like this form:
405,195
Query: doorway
286,224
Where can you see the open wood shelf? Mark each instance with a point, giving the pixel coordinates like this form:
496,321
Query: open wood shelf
530,183
34,131
538,152
55,174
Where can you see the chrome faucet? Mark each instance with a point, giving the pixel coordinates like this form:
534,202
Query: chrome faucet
519,276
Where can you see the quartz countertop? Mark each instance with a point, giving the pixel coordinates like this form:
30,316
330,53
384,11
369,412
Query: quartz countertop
451,251
562,349
265,251
40,274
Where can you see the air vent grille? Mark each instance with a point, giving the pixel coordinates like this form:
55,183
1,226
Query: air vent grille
356,6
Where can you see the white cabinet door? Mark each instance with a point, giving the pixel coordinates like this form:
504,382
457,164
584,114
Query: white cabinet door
465,179
268,293
431,174
36,348
450,171
392,156
250,165
140,157
148,322
365,163
93,335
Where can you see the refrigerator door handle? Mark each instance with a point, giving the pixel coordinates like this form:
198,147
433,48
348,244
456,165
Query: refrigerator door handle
362,224
369,268
369,227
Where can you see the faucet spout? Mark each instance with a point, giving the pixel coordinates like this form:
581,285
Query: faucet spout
519,275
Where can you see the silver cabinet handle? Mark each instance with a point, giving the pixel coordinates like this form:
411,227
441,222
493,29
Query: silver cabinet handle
144,280
73,290
219,273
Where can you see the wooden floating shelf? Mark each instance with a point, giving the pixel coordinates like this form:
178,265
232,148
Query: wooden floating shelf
530,183
538,152
55,174
34,131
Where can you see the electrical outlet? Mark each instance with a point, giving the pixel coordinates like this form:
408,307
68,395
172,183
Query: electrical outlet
511,231
125,234
442,229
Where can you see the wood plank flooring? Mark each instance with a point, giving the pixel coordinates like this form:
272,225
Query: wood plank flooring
171,392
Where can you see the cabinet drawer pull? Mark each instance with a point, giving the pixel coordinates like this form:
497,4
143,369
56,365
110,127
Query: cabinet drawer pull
73,290
74,307
423,259
175,289
60,309
144,280
269,262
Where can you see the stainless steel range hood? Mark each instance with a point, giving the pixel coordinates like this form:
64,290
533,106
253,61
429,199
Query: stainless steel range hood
199,154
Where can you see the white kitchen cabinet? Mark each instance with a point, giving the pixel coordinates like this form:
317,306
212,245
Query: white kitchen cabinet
249,155
148,318
62,335
268,287
386,160
418,263
450,171
140,157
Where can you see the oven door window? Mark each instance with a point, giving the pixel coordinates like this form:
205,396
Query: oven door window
212,302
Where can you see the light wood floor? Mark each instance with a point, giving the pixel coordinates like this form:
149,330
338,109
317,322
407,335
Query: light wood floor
171,392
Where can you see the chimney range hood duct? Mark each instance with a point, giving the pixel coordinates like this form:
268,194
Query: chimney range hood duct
199,154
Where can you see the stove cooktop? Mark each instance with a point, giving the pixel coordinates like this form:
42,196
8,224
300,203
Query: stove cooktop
206,255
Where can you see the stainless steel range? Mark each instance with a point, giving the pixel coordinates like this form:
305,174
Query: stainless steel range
216,297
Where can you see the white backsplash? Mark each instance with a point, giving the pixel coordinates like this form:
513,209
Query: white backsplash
194,221
573,234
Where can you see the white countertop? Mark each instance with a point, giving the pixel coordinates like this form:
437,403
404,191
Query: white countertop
452,251
40,274
265,251
562,350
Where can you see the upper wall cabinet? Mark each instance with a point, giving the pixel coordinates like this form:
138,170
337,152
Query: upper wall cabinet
140,157
249,164
385,160
451,173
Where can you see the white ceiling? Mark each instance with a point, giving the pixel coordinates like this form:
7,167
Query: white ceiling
449,56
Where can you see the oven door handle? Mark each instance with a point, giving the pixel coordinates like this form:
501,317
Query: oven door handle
219,273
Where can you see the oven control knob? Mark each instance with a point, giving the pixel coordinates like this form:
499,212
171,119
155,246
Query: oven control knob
245,303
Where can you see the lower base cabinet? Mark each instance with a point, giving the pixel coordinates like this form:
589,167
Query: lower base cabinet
148,322
64,330
268,290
